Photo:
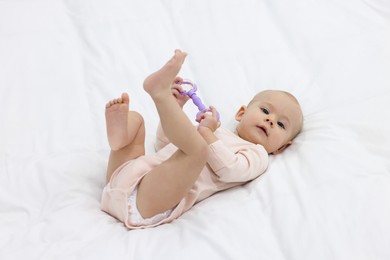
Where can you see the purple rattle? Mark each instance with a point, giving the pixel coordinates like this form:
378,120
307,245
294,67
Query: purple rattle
195,99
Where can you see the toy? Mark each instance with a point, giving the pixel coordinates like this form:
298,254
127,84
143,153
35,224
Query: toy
195,99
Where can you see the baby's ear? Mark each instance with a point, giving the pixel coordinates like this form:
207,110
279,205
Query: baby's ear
240,113
281,149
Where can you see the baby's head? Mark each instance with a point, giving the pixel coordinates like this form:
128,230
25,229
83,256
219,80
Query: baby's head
272,118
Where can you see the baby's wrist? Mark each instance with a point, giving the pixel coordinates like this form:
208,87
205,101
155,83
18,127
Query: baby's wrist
207,134
205,129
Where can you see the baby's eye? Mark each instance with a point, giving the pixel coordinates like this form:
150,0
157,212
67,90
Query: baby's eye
281,125
265,111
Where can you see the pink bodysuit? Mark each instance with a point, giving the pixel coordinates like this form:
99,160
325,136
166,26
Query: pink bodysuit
232,161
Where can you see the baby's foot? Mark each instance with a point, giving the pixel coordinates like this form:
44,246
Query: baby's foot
116,122
158,84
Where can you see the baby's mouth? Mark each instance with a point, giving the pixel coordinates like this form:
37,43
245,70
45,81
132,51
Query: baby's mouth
263,129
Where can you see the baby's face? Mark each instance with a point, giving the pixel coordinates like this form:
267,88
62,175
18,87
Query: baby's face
272,119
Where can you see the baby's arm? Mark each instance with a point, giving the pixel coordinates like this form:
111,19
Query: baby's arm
241,165
208,124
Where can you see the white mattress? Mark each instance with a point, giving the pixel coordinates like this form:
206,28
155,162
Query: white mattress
326,197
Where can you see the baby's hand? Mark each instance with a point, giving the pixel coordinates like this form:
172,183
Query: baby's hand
208,120
176,92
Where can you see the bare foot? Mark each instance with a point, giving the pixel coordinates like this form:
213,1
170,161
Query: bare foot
116,122
158,84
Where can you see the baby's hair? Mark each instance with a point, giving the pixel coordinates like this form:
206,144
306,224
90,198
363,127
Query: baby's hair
280,91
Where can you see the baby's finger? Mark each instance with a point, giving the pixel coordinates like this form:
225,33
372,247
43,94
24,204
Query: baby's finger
176,89
200,117
178,79
175,92
214,112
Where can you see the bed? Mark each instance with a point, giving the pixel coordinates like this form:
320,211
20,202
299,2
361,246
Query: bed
326,197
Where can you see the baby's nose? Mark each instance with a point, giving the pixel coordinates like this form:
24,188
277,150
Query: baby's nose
269,121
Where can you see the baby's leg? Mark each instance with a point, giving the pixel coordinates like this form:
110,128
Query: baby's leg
176,125
165,185
125,132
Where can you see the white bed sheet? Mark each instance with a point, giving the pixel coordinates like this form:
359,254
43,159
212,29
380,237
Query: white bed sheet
326,197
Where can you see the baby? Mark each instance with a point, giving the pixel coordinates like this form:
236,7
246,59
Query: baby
191,163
